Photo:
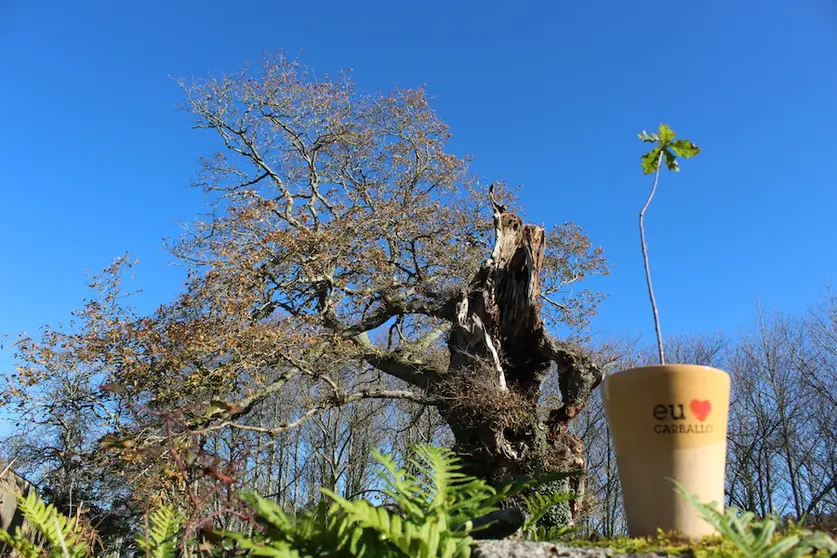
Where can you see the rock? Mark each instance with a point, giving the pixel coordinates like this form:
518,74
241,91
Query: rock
529,549
11,485
504,523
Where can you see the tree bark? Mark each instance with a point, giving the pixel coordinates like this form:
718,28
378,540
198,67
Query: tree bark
499,355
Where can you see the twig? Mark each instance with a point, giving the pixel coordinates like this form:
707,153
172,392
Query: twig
647,265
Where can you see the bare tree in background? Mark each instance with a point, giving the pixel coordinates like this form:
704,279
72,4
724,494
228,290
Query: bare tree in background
782,425
819,378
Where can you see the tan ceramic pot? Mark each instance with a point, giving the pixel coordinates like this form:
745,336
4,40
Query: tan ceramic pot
668,421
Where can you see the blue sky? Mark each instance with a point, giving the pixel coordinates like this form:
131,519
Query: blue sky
548,95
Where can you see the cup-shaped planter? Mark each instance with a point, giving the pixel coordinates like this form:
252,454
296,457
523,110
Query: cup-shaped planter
668,422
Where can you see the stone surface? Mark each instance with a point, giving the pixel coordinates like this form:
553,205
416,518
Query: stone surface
10,485
10,517
529,549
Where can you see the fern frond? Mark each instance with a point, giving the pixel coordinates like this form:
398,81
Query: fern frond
436,502
404,488
278,549
442,470
278,525
430,538
328,531
537,505
390,527
160,540
756,539
813,541
60,532
19,544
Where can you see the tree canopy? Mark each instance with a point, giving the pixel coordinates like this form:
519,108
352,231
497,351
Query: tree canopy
343,248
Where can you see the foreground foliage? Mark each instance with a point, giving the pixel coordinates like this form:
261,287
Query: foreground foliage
740,535
434,505
161,533
759,539
429,512
670,544
60,534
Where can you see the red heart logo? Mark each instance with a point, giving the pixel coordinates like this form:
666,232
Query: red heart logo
700,409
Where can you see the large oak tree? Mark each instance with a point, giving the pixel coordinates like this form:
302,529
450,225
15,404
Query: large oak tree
344,241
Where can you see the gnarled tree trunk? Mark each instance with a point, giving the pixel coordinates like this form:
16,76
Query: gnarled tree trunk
500,352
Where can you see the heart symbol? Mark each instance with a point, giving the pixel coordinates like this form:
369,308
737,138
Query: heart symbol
700,409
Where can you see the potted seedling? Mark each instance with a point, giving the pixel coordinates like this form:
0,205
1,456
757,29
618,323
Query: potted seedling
667,421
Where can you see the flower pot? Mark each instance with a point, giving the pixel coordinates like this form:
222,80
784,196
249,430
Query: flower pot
668,422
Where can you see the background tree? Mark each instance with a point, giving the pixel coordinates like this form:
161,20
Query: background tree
782,424
819,377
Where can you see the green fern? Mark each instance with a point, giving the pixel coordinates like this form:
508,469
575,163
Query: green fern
436,505
19,543
427,526
757,539
54,535
324,532
438,486
160,540
537,505
439,502
429,538
61,535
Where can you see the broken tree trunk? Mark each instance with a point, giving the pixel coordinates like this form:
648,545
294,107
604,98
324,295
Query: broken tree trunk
500,353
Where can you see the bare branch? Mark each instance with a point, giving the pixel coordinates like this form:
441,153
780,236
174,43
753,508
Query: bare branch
578,376
428,339
390,308
245,405
397,364
330,403
557,305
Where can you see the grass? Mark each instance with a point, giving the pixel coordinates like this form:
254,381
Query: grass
672,545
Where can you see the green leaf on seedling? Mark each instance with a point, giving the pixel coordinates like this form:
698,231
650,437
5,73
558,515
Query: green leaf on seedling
650,138
650,160
671,160
685,148
666,134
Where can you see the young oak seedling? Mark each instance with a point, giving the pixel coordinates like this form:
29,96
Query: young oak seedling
668,148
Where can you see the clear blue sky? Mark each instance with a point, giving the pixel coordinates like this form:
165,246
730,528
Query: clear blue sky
96,161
